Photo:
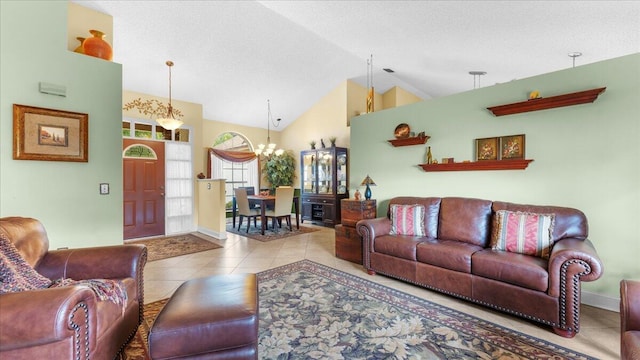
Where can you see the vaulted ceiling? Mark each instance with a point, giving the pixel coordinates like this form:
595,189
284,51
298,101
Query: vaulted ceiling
231,56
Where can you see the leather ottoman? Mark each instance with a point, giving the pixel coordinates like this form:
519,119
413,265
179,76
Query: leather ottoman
209,318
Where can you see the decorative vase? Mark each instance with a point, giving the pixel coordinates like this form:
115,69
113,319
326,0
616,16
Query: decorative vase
96,46
357,195
429,156
80,48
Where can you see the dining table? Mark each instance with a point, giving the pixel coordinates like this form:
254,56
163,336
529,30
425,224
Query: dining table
263,201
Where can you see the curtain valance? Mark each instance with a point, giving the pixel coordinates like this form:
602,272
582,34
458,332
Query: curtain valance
233,156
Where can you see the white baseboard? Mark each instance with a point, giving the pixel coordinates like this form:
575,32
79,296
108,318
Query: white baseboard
600,301
215,234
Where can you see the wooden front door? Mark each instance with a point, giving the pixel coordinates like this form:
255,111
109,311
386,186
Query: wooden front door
143,188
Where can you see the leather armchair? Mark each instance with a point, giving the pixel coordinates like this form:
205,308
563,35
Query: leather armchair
629,319
69,322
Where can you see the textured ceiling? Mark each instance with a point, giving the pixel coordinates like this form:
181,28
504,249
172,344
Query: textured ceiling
231,56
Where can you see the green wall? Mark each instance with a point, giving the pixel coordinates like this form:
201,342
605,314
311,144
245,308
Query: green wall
585,156
63,195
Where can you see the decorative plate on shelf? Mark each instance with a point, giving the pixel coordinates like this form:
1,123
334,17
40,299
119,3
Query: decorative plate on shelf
402,131
342,189
342,160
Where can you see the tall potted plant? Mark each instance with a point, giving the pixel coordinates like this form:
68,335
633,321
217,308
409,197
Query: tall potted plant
280,170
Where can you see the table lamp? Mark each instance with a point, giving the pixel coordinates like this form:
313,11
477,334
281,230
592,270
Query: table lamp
368,182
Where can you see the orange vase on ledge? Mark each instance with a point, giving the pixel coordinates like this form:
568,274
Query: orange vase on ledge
96,46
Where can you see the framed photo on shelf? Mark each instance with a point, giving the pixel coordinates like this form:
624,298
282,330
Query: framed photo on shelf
487,149
512,147
49,135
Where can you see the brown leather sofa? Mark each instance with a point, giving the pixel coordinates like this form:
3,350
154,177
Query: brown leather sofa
69,322
629,320
455,257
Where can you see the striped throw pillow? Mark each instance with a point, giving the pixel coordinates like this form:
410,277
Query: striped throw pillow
523,233
407,220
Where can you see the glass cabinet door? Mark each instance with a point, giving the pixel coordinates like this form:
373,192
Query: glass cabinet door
325,172
309,167
341,172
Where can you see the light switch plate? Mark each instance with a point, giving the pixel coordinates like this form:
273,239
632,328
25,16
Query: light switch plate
104,189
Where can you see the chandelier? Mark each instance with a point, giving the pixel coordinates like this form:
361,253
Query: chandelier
169,121
270,148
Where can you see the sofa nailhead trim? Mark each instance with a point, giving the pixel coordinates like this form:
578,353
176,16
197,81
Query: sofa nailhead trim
140,270
76,329
469,299
575,306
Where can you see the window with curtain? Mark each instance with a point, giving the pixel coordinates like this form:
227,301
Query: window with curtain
235,163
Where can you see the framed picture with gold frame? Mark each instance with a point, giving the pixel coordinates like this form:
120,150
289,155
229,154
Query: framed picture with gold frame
49,135
487,148
512,147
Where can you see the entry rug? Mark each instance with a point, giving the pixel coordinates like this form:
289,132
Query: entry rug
171,246
311,311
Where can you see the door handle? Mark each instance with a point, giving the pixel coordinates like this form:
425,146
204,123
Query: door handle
161,194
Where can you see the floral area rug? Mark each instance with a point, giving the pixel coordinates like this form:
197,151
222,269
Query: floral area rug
269,234
311,311
171,246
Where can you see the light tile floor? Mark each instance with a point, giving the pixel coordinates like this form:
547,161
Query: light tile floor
599,333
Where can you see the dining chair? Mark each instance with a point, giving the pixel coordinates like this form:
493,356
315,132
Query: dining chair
251,191
244,210
282,207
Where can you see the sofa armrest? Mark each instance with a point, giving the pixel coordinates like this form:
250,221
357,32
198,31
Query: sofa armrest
572,260
105,262
48,315
629,305
369,229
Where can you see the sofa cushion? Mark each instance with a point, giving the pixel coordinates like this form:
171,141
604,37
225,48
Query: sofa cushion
517,269
466,220
109,313
432,210
407,220
523,233
569,222
402,246
448,254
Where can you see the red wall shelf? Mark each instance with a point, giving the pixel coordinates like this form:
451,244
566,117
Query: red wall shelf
518,164
416,140
580,97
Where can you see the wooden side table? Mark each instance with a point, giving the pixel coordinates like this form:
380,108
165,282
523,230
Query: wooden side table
348,242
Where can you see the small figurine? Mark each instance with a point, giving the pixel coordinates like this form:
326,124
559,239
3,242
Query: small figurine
322,143
357,195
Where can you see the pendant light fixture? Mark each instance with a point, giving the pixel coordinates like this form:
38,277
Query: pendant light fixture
270,148
477,74
573,56
169,121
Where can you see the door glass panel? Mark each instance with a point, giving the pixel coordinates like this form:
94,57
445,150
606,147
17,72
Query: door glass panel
342,172
308,163
325,185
